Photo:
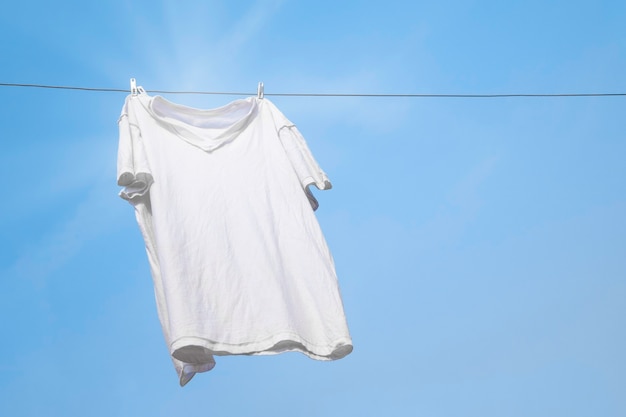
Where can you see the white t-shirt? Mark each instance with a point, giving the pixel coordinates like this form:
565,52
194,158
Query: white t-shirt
238,260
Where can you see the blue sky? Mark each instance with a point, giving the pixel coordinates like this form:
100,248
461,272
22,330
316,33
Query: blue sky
480,243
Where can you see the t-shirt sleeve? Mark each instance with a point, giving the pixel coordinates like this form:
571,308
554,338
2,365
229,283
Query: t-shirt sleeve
133,171
304,165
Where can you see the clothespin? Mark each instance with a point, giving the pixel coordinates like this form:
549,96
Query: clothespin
133,87
260,91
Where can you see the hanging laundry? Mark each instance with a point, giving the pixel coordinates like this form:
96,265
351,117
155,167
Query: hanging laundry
238,260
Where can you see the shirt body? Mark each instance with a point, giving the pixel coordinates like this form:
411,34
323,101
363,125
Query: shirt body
238,260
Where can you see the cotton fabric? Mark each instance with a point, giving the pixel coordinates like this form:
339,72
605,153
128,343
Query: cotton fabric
238,260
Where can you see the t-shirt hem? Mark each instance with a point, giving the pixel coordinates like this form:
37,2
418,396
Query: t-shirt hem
285,342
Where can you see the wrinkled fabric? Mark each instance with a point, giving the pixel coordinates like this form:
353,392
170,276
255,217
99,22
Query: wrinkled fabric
238,260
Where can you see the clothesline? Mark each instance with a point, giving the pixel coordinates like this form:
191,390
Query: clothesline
120,90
